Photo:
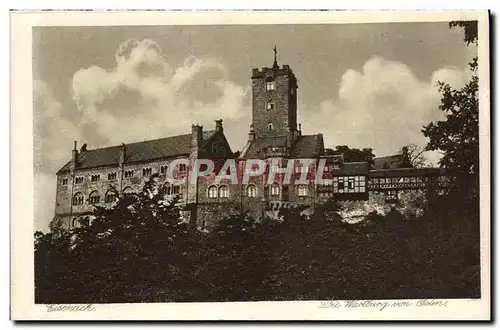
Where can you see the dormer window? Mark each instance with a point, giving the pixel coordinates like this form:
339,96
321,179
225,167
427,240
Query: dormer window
270,105
270,86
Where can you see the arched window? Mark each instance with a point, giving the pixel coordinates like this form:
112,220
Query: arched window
168,189
223,192
252,191
302,190
74,222
127,190
78,199
94,197
270,105
270,126
212,192
275,189
111,195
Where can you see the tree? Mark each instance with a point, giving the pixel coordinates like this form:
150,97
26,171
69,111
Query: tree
458,135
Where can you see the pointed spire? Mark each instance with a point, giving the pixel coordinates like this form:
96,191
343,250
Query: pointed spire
275,64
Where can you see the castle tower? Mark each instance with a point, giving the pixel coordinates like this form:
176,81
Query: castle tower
274,100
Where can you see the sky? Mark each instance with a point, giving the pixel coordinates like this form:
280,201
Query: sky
361,85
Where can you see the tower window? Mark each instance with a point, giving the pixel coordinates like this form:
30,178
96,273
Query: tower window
270,105
270,126
64,181
270,86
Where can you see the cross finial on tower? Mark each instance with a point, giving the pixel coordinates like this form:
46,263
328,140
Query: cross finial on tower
275,64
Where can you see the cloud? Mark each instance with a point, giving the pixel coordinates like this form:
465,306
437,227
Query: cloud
383,106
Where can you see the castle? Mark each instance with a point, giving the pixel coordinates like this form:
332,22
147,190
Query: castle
99,176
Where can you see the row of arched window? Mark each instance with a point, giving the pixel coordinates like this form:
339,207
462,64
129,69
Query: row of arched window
251,191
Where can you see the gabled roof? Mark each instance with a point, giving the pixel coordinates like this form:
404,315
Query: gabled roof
136,152
306,146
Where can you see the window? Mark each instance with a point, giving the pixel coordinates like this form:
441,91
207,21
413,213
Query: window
275,189
303,191
252,191
391,196
350,183
212,192
270,126
336,166
270,86
78,199
129,173
176,190
95,178
94,197
79,179
182,168
270,105
168,189
110,196
111,176
341,184
74,222
147,171
64,181
163,169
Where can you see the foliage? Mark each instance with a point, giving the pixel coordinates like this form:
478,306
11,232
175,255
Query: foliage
138,251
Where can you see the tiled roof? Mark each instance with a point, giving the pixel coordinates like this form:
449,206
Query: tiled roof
136,152
307,146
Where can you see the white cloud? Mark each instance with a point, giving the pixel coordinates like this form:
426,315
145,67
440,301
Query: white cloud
383,106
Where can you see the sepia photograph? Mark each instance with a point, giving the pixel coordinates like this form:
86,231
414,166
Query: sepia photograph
255,159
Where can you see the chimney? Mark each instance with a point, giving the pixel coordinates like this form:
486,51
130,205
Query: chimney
196,135
218,125
74,158
123,154
251,134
